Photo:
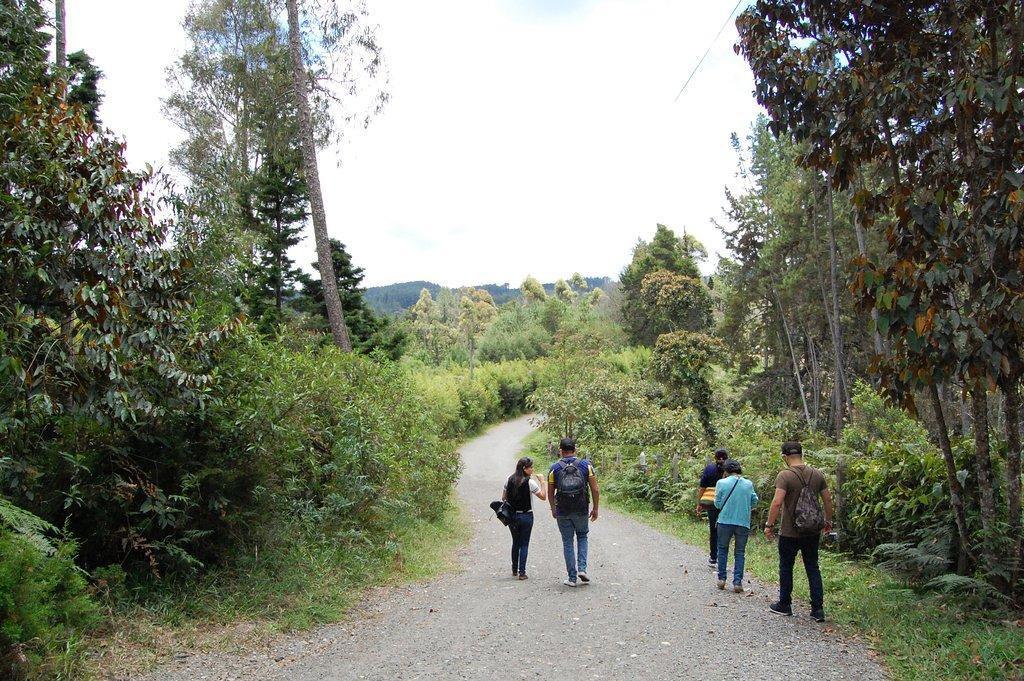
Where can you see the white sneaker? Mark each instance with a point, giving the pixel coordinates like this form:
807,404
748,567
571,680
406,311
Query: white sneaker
569,582
583,577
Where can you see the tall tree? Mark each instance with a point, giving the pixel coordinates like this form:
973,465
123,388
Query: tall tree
60,34
669,263
83,85
476,311
229,93
533,291
345,63
927,98
280,201
434,335
325,263
368,331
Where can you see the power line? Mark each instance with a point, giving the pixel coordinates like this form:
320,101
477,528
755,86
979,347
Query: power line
713,41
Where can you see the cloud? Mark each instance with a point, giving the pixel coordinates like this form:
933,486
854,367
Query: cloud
521,138
544,10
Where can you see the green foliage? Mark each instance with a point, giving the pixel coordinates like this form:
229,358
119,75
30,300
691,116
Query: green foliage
368,331
279,211
661,288
31,527
99,354
435,337
93,306
44,608
929,152
675,302
83,85
461,405
337,440
683,361
581,396
476,312
23,52
394,299
532,290
516,333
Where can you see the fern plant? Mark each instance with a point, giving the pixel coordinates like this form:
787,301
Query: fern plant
30,526
967,590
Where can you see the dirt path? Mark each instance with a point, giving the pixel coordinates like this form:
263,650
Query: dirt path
645,617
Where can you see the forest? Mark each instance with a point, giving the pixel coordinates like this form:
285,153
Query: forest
182,404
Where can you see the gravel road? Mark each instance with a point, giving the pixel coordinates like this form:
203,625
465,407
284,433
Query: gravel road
653,612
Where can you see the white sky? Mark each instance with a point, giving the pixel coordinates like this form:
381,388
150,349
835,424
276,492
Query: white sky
522,137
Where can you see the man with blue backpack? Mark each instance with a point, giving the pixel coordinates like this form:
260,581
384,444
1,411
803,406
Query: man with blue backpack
571,482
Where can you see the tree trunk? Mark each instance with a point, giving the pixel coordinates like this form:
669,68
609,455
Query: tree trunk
862,248
1012,392
839,497
325,264
956,491
792,354
965,413
60,37
836,409
279,259
983,469
812,356
837,327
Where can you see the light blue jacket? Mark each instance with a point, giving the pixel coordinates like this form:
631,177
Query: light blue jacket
736,511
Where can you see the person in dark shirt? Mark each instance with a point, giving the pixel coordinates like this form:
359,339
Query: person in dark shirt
789,485
572,487
713,472
519,491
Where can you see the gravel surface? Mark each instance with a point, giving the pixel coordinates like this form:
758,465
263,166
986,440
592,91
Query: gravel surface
652,612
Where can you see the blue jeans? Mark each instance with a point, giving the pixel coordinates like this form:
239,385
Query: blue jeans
725,533
521,529
575,525
807,547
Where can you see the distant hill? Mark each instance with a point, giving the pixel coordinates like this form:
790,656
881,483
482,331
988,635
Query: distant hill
394,299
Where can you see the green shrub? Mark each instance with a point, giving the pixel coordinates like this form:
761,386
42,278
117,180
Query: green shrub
512,383
336,438
44,608
895,494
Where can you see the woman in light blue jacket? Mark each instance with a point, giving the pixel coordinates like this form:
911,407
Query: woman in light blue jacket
734,497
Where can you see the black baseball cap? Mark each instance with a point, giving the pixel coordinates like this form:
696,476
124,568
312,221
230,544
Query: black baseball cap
567,444
721,453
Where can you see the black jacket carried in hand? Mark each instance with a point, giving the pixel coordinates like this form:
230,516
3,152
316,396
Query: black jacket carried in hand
503,510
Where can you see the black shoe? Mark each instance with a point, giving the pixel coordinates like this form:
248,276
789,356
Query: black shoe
780,609
818,615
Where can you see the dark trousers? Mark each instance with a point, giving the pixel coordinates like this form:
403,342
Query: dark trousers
808,548
713,532
521,529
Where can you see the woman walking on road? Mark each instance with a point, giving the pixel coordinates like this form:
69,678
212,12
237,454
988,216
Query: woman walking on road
518,492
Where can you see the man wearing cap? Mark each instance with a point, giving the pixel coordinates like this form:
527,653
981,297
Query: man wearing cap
789,485
713,472
571,483
734,497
